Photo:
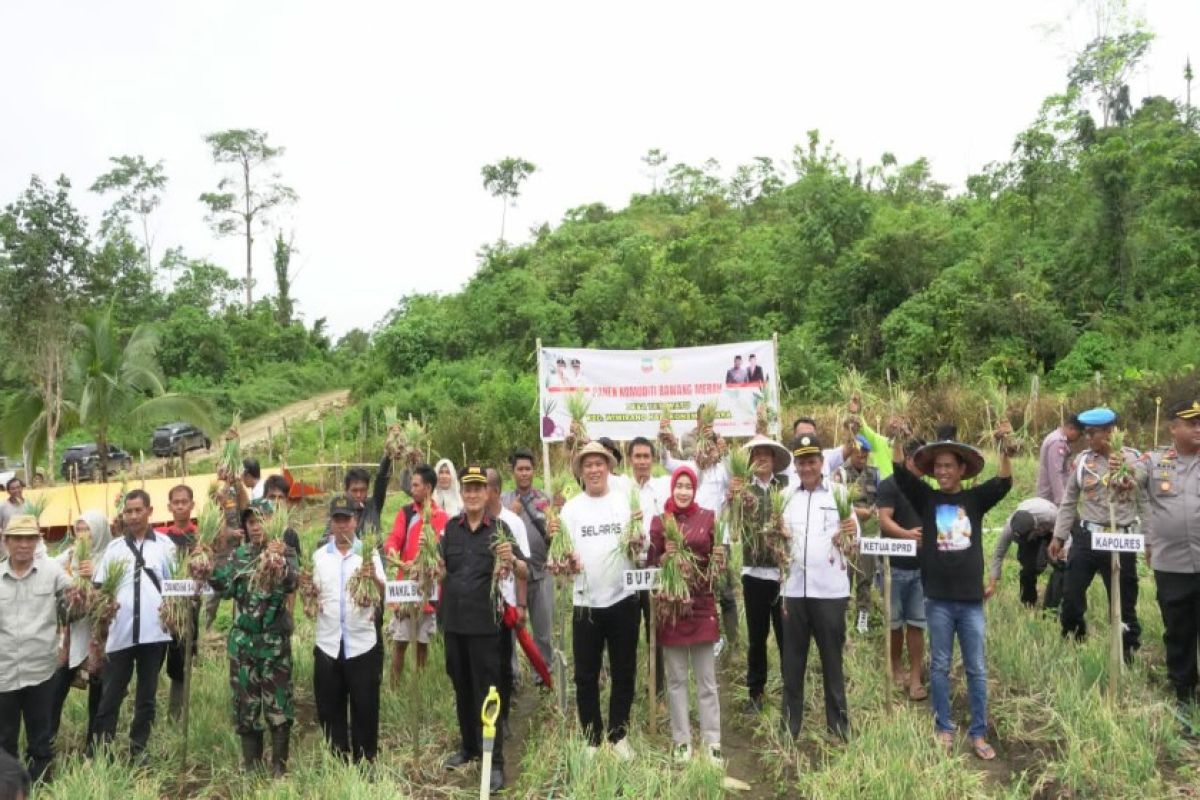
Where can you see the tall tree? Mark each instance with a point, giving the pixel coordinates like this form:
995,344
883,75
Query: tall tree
139,191
283,278
246,197
654,159
44,266
503,179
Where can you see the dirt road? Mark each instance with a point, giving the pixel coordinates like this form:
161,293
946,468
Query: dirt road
254,432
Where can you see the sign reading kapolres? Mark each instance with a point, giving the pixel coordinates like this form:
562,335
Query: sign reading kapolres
628,392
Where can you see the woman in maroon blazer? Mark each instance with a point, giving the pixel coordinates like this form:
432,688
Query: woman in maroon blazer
688,640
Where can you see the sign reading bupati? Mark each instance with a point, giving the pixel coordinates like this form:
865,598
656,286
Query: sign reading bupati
887,547
1119,542
628,392
641,579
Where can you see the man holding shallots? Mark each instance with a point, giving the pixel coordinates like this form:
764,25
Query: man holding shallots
816,589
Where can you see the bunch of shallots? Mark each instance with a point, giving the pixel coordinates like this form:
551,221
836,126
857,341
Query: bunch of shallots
268,571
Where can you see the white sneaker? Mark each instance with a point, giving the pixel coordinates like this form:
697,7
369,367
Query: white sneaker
683,753
623,750
863,626
719,647
714,755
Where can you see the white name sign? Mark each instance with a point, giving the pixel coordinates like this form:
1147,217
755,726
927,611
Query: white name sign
406,592
183,588
641,579
1119,542
887,547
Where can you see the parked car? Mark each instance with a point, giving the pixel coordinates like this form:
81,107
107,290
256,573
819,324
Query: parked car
169,439
82,461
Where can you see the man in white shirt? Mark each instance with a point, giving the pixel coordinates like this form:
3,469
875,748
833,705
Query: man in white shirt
817,590
606,612
347,664
137,639
32,593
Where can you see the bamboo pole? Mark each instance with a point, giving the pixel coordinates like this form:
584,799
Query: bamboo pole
1114,609
652,682
887,627
187,688
1157,412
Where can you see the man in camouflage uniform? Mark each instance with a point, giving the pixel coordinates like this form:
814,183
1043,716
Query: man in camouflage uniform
862,478
260,643
1170,481
1084,511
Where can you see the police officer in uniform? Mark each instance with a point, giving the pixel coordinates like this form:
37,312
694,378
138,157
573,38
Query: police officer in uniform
1085,511
1170,481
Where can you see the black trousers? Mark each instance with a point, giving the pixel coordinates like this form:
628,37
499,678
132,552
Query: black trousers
32,704
805,620
1179,601
62,688
474,664
660,670
175,651
507,674
147,660
764,612
1033,556
1082,566
353,683
592,631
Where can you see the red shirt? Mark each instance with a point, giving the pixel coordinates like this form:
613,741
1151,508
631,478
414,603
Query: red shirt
406,541
183,537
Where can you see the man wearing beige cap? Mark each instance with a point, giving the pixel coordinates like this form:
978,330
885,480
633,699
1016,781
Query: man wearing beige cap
32,598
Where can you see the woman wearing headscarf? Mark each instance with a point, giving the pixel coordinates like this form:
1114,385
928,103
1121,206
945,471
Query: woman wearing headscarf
77,639
687,641
447,494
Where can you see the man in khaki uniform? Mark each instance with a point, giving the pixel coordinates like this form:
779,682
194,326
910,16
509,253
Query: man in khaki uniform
1170,481
1084,511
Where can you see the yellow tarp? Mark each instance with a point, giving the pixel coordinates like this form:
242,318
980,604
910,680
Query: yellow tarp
67,501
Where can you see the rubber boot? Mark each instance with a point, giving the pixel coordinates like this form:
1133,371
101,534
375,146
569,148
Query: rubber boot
175,708
280,739
252,751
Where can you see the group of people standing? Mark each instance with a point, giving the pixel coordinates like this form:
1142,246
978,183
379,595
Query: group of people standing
494,578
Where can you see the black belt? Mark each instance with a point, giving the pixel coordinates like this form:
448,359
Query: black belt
1096,527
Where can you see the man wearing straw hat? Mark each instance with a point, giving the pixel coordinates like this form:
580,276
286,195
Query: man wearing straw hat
951,556
1085,511
606,612
769,461
1170,481
33,593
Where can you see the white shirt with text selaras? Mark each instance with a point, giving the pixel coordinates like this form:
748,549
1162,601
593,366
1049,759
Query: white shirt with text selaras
596,525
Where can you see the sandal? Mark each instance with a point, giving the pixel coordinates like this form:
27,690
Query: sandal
945,740
917,692
983,750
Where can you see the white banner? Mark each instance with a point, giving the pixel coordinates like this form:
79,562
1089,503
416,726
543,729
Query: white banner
629,391
183,588
641,579
887,547
1119,542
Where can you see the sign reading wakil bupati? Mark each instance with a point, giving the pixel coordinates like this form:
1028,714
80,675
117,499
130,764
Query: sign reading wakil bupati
641,579
887,547
405,592
628,392
1119,542
183,588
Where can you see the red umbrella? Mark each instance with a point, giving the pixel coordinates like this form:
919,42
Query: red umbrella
526,640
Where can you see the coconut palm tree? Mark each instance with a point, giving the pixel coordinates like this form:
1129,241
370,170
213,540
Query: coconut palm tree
107,383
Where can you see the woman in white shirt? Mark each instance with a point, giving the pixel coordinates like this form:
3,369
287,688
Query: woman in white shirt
73,669
817,589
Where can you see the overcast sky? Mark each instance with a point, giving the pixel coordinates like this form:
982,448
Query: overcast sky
388,110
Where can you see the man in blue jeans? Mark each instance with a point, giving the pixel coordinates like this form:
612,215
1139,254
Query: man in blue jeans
951,555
